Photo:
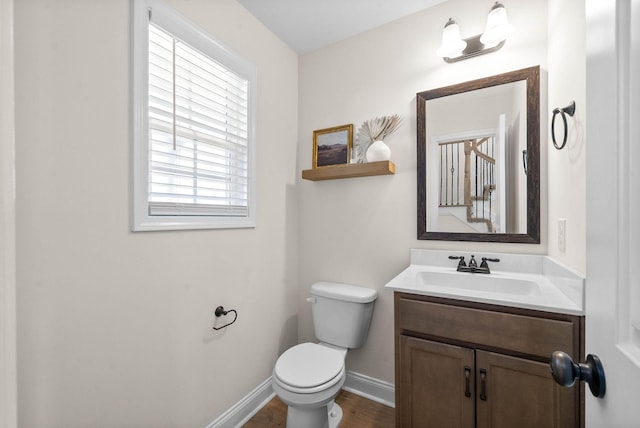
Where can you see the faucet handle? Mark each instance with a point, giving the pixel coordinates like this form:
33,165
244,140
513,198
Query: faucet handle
461,258
487,259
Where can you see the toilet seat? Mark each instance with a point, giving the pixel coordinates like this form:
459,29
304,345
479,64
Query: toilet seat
308,368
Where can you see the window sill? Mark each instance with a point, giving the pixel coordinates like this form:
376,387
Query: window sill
164,223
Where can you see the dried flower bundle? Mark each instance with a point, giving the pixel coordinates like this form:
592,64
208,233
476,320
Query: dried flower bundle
379,128
375,129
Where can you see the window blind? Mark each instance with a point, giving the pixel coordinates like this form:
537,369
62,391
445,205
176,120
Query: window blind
198,132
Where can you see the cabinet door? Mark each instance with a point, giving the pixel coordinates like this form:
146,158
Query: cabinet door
513,392
436,385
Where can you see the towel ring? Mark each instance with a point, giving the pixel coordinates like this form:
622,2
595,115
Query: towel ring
570,110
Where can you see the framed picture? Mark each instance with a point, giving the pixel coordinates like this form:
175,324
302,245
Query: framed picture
332,146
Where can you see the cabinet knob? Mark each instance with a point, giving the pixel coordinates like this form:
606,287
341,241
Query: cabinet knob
565,372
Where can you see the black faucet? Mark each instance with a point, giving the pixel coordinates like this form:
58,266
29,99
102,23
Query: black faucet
473,265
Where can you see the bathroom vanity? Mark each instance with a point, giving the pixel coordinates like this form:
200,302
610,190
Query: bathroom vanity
479,357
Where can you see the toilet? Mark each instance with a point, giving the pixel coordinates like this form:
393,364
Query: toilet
308,376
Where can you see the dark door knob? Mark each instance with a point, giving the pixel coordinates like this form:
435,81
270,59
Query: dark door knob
566,372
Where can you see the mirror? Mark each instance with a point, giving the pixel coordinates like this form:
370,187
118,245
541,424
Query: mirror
479,160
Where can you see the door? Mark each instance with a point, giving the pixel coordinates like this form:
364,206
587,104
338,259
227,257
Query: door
437,385
514,392
613,208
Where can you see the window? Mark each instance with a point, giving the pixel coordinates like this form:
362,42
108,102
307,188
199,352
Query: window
193,106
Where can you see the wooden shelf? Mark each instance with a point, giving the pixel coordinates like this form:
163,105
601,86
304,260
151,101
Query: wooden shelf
349,171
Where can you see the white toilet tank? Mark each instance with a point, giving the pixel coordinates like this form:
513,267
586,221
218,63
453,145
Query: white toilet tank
342,313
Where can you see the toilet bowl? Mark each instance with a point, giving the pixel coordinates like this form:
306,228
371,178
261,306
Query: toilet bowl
308,376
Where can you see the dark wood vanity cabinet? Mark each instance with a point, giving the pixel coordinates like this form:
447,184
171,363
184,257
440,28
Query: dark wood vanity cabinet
462,364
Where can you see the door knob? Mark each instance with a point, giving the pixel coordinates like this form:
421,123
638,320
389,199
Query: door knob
565,372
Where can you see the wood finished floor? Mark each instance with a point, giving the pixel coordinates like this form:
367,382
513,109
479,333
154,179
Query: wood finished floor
359,412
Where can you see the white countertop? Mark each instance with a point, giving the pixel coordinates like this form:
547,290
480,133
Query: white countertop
555,288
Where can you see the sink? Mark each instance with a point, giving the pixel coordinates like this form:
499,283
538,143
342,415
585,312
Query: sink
517,280
491,283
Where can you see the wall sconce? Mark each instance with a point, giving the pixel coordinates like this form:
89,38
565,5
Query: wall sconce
454,48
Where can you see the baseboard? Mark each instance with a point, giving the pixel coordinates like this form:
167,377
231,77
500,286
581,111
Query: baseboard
244,409
371,388
356,383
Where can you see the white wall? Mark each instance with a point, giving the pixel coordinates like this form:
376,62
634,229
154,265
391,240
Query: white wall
8,381
114,328
360,230
567,167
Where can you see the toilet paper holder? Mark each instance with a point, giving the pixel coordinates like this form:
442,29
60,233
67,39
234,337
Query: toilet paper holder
221,312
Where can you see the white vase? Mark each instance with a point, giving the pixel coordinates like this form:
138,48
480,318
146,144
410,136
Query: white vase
378,151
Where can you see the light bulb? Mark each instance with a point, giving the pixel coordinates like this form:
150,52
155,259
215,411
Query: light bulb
452,43
498,27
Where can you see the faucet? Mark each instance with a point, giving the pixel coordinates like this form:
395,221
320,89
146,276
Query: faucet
473,265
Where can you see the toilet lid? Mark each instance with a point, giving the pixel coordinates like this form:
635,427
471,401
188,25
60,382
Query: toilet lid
308,365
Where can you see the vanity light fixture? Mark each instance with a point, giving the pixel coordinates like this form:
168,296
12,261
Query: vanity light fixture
498,29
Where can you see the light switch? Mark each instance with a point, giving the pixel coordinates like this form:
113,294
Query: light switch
562,234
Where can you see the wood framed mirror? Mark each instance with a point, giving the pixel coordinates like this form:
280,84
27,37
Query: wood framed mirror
478,166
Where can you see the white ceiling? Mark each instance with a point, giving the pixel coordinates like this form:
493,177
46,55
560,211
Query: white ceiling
306,25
